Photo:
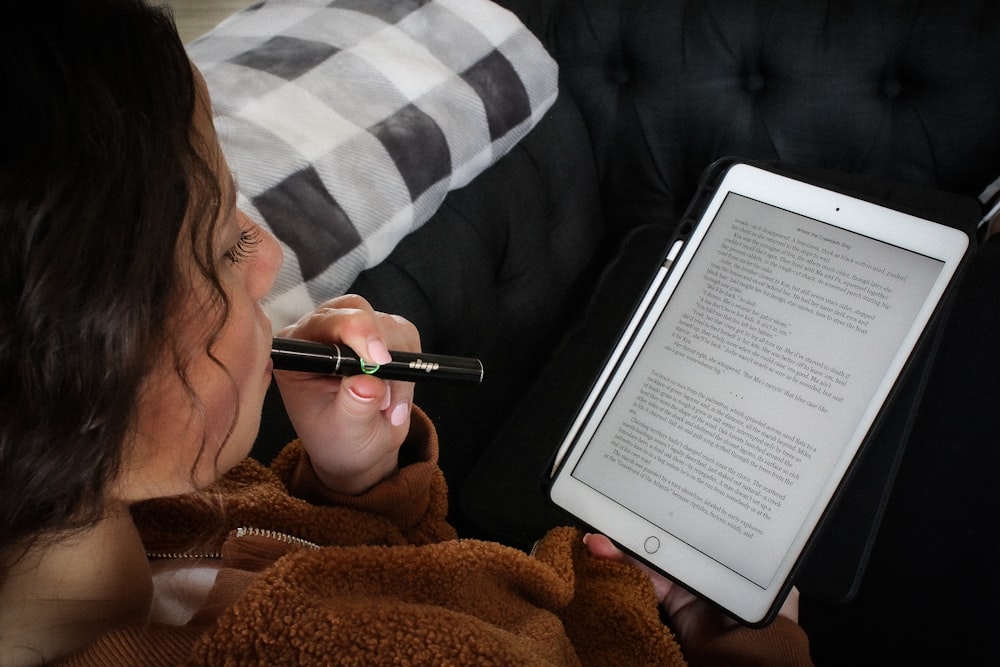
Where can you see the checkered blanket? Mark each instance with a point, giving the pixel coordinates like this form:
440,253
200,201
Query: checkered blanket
347,122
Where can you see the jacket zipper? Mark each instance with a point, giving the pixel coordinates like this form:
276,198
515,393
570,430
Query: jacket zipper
244,531
275,535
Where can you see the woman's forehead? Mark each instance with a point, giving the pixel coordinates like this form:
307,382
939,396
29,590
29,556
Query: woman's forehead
204,127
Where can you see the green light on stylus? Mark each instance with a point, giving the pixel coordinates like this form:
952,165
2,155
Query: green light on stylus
368,370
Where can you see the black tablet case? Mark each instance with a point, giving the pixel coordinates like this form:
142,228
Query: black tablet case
506,493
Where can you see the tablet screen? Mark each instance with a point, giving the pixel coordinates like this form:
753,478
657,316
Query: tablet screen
753,380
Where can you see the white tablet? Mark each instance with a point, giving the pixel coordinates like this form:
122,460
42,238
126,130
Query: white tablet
748,380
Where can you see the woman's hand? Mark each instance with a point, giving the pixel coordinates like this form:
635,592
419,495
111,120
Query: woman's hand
352,427
691,618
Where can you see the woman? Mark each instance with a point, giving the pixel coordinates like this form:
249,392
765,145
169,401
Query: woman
133,529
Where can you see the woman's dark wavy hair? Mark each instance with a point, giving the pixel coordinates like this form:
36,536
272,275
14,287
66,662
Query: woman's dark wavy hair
100,168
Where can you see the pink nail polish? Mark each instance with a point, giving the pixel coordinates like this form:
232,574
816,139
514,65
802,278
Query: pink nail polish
400,414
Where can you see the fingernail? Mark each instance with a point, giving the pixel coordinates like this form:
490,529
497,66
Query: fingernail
378,351
400,414
360,396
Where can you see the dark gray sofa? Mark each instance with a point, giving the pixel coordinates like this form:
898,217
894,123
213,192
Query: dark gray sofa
534,265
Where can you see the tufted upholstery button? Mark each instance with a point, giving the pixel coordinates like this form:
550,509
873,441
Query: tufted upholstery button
755,82
892,87
620,75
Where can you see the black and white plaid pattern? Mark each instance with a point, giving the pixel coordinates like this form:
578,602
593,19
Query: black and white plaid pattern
346,123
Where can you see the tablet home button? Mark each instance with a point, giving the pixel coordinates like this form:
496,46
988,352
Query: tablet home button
652,544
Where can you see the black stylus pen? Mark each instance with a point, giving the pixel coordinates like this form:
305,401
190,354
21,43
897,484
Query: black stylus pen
290,354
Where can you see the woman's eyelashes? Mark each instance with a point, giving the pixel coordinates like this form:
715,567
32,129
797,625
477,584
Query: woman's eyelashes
250,238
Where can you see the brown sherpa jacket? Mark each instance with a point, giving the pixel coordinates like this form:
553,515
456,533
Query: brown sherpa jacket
309,577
